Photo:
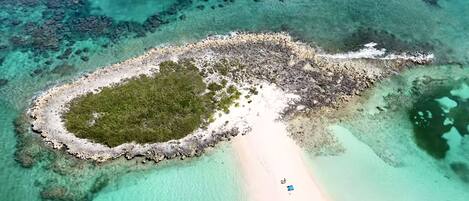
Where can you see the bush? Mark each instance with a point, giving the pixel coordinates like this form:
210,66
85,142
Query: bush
146,109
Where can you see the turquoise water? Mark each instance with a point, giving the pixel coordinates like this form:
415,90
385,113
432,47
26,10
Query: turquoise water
211,178
129,10
403,141
44,42
359,174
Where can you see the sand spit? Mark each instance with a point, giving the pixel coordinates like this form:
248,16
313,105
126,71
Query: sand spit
265,163
271,60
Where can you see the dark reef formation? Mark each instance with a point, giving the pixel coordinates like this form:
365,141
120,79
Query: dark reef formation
433,110
431,120
432,2
63,69
69,178
3,82
461,169
384,39
66,21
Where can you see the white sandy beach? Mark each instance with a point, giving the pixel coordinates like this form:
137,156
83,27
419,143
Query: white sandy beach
267,155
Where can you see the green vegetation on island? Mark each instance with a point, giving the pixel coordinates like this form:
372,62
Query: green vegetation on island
147,109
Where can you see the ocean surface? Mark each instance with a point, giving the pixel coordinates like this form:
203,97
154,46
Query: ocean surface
414,146
406,140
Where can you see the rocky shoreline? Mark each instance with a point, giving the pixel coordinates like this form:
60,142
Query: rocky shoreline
271,59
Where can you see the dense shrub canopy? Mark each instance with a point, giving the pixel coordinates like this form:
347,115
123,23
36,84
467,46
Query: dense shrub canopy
168,105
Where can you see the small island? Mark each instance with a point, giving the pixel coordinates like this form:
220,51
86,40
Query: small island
175,101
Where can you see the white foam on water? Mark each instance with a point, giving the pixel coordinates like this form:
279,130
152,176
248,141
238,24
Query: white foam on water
369,51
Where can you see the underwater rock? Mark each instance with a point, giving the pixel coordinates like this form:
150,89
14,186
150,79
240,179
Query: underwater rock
426,85
70,4
29,150
18,42
153,22
29,3
56,15
37,72
124,28
429,129
84,58
59,168
91,26
430,119
15,22
21,124
56,193
24,153
172,10
53,4
45,55
432,2
461,169
70,43
3,82
71,20
384,39
45,37
64,69
65,54
25,158
100,183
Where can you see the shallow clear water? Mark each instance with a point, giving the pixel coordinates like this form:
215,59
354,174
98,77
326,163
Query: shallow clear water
44,42
384,158
359,174
213,177
129,10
